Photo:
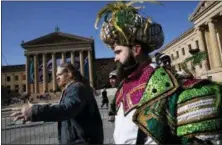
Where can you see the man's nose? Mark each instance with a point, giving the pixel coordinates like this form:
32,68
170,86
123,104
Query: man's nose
116,59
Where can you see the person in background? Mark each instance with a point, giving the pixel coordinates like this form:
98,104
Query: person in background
105,100
157,58
77,114
165,61
113,79
113,83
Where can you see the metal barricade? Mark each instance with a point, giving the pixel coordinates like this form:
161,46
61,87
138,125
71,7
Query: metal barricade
42,132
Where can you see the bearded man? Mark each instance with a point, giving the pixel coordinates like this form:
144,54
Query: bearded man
151,105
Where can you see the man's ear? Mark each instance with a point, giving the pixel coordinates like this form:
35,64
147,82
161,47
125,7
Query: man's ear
136,50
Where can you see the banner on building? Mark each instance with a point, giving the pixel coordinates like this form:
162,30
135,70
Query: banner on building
49,69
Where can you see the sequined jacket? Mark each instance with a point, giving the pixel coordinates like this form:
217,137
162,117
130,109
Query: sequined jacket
170,110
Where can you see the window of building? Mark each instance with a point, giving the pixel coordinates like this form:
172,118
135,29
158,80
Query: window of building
9,87
8,78
16,88
16,77
197,44
172,57
179,67
209,77
189,46
177,54
183,51
24,88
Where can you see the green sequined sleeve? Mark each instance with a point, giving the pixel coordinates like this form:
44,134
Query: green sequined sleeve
199,113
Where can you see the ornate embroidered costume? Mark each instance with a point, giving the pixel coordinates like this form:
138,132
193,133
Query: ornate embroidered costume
171,112
153,105
190,111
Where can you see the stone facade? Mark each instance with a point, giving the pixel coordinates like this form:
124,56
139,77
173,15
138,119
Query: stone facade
205,35
52,47
14,76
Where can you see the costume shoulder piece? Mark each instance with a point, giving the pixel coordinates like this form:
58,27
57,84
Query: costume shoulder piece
199,112
150,113
161,84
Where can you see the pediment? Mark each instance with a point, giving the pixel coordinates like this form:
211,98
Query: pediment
203,5
56,38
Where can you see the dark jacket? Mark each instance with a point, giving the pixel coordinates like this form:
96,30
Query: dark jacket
78,116
104,96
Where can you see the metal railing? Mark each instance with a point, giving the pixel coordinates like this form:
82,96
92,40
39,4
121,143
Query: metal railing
42,132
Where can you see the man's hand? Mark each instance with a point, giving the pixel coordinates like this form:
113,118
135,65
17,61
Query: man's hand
24,113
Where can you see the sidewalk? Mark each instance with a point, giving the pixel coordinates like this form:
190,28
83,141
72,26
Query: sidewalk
11,107
27,124
110,92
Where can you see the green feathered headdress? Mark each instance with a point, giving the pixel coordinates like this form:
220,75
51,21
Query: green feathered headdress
124,25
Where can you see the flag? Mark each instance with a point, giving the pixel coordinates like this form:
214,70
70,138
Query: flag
86,68
77,63
31,71
49,70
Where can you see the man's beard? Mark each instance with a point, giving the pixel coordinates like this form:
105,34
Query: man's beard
124,70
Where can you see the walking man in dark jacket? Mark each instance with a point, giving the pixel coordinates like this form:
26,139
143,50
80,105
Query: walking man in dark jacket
79,120
105,99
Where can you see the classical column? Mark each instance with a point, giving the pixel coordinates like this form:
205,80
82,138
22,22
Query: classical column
27,74
91,81
54,85
202,46
205,65
81,63
209,50
201,38
63,57
72,57
54,71
214,45
36,71
45,74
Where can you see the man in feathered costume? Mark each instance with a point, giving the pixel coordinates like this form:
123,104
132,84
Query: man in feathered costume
152,105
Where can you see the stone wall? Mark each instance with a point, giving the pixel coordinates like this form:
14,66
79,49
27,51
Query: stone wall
102,69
